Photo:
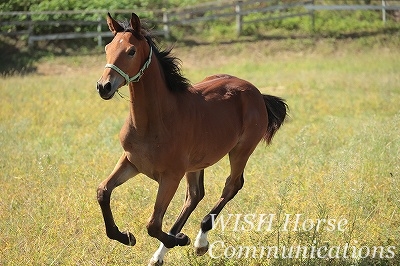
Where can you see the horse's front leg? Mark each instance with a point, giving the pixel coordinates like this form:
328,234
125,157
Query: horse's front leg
123,171
194,193
166,191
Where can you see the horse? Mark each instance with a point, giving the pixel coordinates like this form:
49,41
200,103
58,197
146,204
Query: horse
175,130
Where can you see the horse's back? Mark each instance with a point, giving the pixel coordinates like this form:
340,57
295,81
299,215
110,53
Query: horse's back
230,92
227,111
224,87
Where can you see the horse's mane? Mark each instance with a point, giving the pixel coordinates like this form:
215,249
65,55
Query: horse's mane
170,64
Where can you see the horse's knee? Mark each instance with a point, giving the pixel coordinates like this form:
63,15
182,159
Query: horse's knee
232,187
103,195
237,184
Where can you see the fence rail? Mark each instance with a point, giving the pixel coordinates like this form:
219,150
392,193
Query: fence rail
238,10
351,7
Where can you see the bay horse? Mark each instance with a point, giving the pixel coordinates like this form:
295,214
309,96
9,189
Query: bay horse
175,130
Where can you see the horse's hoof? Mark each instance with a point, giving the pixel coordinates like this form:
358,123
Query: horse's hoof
131,240
182,239
200,251
153,262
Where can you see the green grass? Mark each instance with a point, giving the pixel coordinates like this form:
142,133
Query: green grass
337,157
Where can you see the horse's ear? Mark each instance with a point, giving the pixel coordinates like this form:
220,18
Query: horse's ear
113,25
135,23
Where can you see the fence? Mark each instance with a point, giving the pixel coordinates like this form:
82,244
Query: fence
94,25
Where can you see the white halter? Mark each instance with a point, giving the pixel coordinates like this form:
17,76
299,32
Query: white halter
135,78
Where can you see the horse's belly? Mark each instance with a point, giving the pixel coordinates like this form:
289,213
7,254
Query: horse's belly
210,149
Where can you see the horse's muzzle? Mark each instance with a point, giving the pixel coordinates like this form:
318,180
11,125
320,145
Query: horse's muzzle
105,90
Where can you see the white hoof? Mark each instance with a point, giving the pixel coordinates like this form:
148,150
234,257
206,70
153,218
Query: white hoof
200,251
201,244
155,262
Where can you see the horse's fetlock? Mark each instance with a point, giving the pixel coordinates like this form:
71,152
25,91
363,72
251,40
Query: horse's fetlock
152,229
207,223
171,242
182,239
111,232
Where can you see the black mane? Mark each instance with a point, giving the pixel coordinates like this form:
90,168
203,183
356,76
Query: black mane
171,67
170,64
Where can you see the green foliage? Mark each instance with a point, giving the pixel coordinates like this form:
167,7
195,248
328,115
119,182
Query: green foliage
334,23
53,5
325,23
58,5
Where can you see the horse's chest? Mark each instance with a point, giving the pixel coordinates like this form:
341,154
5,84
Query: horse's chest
151,156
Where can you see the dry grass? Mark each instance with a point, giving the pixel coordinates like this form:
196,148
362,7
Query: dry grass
337,157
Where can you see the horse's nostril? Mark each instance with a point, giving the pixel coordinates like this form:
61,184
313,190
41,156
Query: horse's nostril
107,87
104,88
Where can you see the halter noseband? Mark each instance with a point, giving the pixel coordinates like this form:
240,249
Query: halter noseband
135,78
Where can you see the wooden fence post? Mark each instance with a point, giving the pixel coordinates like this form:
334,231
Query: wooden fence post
383,11
239,18
166,25
99,38
313,18
30,30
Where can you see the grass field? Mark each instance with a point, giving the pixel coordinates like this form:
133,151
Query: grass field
337,157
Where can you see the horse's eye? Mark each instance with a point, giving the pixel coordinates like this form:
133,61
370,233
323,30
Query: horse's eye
132,52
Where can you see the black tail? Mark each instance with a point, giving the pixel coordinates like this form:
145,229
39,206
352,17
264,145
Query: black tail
277,110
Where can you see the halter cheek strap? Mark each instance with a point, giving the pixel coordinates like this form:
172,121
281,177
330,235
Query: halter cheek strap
135,78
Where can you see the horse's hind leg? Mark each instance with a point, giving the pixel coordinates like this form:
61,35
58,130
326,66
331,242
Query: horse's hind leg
194,194
238,158
123,171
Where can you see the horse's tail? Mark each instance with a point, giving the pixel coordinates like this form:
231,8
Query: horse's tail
277,110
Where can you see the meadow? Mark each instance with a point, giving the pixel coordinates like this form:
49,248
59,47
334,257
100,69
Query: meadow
336,160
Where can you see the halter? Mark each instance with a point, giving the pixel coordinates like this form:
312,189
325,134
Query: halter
135,78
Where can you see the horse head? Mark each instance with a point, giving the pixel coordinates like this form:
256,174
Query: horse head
127,55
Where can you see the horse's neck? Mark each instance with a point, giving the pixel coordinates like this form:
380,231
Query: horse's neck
151,102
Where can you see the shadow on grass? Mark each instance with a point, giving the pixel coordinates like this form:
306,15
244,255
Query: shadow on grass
15,59
18,59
